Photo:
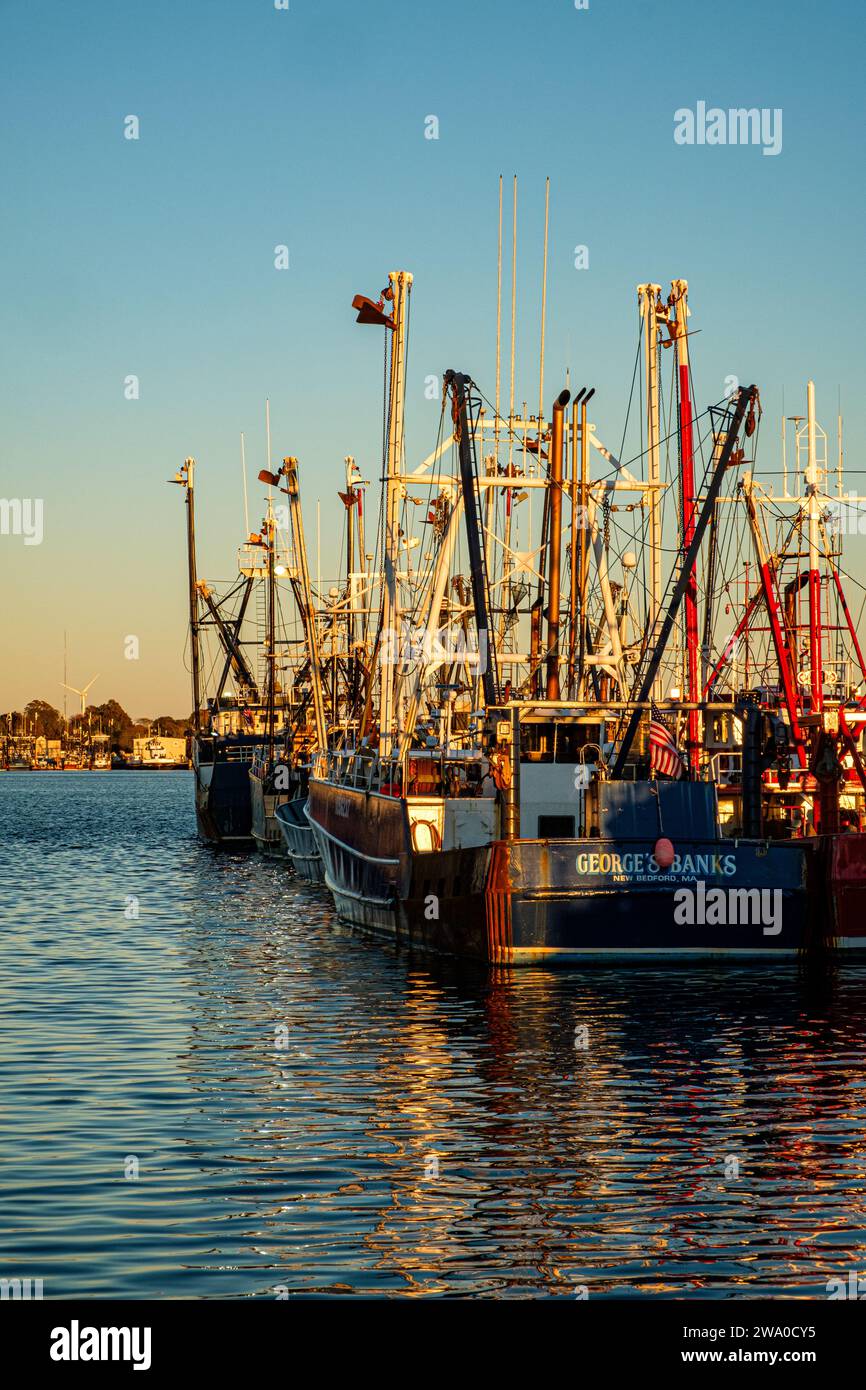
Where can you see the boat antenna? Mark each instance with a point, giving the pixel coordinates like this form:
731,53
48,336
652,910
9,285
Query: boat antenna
244,479
839,444
513,316
543,306
498,319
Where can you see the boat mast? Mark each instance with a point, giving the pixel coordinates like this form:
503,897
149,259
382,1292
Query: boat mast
306,605
572,576
679,302
459,384
185,478
648,299
584,551
543,308
852,631
767,575
271,534
557,449
400,288
813,488
351,501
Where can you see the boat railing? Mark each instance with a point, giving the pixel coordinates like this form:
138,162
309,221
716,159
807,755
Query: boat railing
239,753
726,769
423,773
362,769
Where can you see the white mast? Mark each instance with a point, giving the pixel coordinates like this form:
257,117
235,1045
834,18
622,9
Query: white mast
813,488
543,308
648,297
308,614
401,285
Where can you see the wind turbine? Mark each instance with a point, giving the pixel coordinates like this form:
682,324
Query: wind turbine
82,694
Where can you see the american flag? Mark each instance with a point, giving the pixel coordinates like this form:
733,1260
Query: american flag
665,757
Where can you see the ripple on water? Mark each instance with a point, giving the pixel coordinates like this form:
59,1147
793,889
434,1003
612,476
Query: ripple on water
312,1111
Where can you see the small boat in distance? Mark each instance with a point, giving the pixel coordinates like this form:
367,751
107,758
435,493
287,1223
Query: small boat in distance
244,740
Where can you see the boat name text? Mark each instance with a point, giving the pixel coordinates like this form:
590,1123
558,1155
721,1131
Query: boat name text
624,865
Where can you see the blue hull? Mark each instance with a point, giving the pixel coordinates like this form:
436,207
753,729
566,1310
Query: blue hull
526,902
566,900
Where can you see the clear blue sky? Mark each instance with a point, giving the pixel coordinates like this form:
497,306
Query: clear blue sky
258,127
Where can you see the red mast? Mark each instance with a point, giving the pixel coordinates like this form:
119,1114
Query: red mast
767,575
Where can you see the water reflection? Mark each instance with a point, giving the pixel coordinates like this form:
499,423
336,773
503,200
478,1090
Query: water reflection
441,1132
316,1113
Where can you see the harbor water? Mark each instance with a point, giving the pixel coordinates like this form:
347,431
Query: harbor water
212,1089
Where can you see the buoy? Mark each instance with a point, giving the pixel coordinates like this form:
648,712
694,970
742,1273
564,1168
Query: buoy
664,853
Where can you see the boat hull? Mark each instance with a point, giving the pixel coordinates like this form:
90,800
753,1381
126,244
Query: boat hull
561,902
299,840
265,826
362,839
564,901
223,805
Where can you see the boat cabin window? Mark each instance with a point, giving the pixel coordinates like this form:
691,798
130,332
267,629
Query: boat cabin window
536,743
572,738
556,742
720,730
556,827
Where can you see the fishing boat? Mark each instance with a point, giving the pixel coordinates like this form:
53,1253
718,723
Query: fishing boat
278,771
228,726
246,740
155,754
339,666
598,836
221,759
266,796
536,877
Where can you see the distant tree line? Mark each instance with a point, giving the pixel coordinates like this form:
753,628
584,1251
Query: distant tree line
41,719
